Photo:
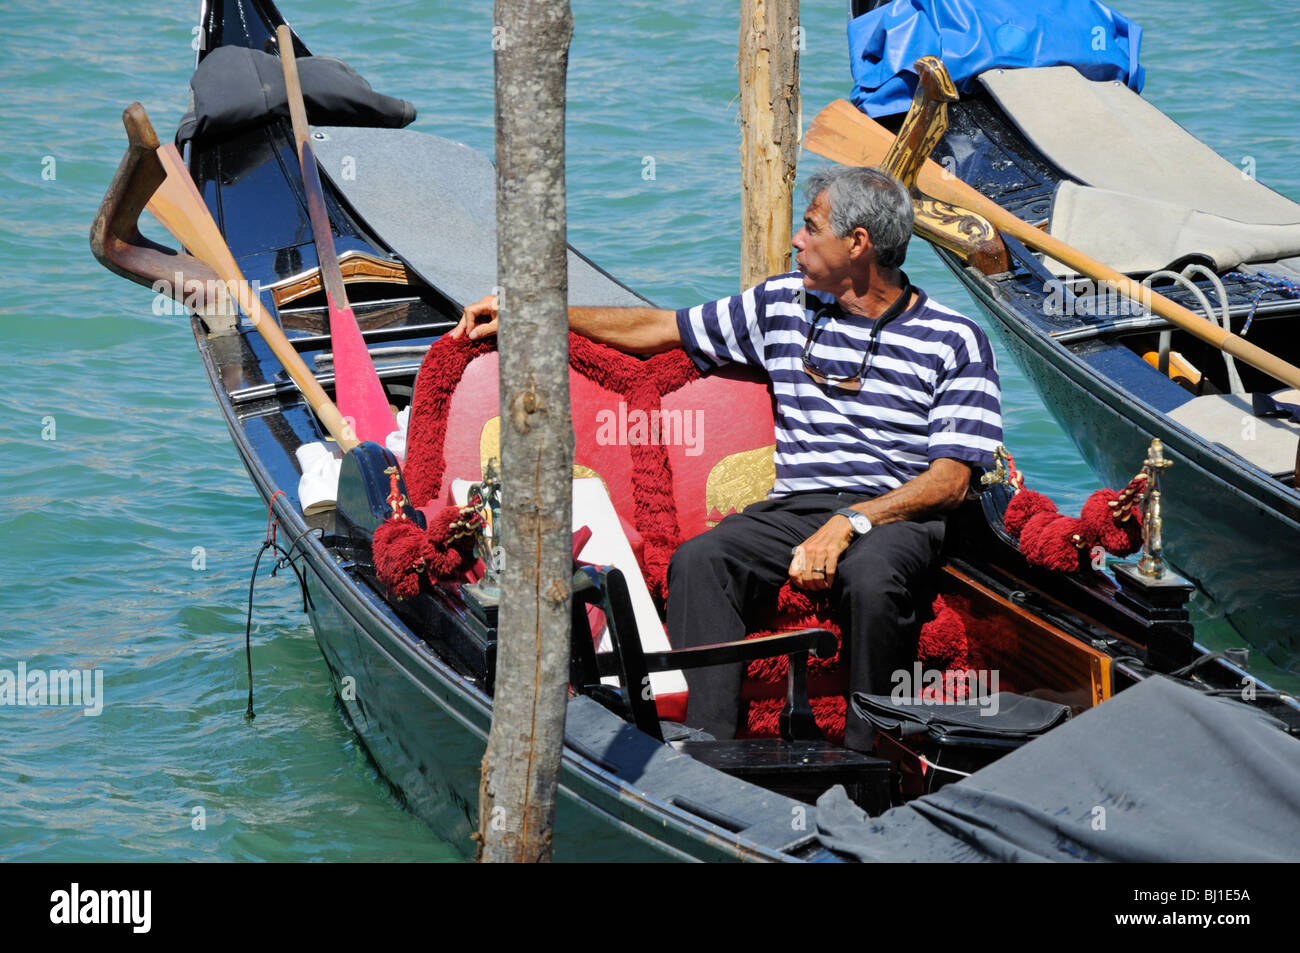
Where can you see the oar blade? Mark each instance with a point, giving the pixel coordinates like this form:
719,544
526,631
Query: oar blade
357,391
844,134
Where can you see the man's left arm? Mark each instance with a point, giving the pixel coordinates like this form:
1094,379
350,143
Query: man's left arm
940,488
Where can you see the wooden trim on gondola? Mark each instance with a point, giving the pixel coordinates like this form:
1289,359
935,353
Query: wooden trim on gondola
356,266
1044,656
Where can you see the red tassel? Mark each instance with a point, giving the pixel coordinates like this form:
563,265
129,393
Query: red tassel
943,639
451,549
1099,525
401,553
1022,507
1050,541
1034,526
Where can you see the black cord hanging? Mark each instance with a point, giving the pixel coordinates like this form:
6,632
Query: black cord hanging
285,559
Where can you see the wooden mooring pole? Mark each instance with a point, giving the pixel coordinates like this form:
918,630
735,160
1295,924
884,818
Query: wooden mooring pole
522,763
770,40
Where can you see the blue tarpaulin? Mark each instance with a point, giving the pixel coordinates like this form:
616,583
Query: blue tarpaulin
1086,34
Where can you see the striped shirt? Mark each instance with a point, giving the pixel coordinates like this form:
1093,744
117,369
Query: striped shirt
930,390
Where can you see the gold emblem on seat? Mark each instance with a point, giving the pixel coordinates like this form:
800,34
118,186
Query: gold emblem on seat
489,448
738,480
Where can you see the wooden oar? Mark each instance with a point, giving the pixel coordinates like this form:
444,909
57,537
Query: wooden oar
357,389
844,134
156,175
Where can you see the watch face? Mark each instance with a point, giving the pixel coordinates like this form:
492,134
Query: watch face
859,521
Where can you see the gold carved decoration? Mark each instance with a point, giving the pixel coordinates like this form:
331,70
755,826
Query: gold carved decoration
489,444
962,232
738,480
926,122
355,265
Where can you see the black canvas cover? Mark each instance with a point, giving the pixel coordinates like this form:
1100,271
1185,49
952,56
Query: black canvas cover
235,88
1003,715
1160,772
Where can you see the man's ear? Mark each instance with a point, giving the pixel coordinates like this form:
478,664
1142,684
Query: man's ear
860,243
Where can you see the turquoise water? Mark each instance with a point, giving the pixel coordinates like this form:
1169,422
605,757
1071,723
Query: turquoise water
127,539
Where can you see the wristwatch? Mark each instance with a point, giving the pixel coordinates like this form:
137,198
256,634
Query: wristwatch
860,522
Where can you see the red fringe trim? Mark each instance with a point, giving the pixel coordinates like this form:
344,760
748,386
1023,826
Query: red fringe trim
765,717
642,384
443,367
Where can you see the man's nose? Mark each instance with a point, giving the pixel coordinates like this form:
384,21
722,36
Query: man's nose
798,239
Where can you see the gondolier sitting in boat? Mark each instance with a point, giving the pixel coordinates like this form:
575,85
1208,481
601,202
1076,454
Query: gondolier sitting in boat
885,400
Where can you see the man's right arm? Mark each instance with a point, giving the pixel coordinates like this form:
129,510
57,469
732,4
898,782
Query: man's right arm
634,330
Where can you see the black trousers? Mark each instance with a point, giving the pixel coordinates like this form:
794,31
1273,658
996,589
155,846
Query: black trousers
721,580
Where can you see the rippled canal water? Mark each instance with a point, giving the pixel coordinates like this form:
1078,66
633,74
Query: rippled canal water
127,524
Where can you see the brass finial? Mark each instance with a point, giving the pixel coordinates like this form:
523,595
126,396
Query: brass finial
1151,564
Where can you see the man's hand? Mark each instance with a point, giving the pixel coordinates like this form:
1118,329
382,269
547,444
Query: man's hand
634,330
815,559
469,320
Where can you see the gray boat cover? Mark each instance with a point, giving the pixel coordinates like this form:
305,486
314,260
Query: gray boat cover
433,202
1152,193
1160,772
1135,234
236,88
1230,421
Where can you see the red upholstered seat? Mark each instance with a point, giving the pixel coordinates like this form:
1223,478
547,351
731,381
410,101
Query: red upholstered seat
653,430
675,450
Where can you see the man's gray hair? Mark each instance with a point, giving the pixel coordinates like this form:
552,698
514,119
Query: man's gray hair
867,198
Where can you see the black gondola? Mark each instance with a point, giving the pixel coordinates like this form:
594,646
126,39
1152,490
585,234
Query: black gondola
414,676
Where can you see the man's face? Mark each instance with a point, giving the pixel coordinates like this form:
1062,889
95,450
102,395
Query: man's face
823,258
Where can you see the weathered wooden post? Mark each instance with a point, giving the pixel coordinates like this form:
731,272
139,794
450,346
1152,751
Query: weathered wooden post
522,762
770,40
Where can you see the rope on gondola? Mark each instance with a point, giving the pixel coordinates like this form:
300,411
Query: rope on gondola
271,541
1046,537
1271,282
938,767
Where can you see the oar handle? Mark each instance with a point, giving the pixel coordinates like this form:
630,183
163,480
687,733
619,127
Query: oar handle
357,387
323,236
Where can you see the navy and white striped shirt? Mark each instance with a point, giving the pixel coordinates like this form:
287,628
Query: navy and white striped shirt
930,391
